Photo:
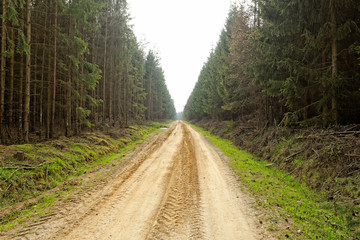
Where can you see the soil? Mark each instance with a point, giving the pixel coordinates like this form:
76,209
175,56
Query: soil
174,186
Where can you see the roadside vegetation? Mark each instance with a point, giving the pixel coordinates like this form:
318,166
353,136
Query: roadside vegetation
282,83
29,170
308,214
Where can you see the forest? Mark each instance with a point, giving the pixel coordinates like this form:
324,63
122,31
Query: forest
273,149
69,65
283,63
283,82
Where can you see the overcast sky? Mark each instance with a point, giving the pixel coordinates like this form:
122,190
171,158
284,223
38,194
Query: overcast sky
182,32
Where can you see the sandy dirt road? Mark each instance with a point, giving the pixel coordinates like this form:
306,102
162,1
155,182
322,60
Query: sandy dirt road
176,187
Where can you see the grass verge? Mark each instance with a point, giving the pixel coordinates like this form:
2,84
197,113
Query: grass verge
310,215
44,166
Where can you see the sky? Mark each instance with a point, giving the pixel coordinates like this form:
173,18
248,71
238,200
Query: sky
182,32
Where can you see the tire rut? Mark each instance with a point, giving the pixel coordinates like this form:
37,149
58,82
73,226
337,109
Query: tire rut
122,177
179,215
136,159
173,187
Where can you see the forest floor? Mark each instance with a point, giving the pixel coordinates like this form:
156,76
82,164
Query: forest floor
175,185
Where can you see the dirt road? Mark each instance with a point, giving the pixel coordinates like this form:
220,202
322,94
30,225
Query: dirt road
176,187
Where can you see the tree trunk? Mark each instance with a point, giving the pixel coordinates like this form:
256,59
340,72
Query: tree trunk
68,94
54,76
149,105
126,96
12,77
334,66
3,62
68,104
35,80
42,82
111,93
104,68
82,94
93,107
118,112
28,72
20,129
48,106
255,13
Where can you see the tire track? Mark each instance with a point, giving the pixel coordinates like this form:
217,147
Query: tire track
69,215
121,178
179,215
174,187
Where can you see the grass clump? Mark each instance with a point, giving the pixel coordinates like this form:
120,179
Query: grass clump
310,215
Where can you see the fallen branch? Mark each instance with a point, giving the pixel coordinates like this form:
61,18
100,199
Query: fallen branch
308,137
289,173
17,164
335,138
345,133
11,175
25,167
292,155
18,168
6,221
351,173
353,127
312,136
352,155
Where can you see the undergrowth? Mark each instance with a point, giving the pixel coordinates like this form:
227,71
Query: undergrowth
309,213
44,166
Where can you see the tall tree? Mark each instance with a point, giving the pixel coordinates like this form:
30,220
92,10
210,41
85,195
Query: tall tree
28,72
3,64
53,101
70,64
294,63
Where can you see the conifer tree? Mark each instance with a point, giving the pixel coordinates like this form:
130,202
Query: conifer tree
28,71
70,65
288,62
2,68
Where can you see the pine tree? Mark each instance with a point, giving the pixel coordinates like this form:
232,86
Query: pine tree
71,64
2,69
28,72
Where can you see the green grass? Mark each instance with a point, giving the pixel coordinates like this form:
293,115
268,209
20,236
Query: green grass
38,209
311,216
56,165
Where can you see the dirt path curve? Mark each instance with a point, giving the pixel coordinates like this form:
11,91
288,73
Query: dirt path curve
176,187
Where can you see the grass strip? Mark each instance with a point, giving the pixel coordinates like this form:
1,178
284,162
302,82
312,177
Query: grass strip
50,164
311,216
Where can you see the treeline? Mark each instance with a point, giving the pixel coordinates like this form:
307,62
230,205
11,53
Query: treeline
293,63
70,64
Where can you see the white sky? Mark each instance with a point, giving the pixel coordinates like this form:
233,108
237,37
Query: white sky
182,32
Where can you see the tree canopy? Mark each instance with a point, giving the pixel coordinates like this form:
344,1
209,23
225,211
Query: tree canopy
293,62
67,65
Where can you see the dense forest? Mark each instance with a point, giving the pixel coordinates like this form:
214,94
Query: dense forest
287,63
68,64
